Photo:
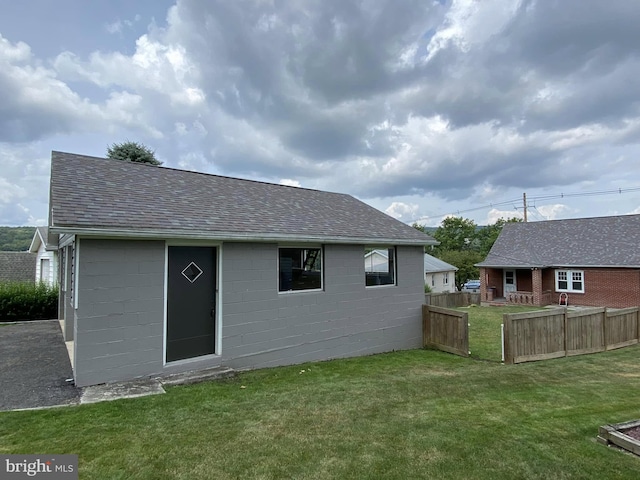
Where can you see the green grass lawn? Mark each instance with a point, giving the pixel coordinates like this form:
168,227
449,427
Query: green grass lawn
485,341
402,415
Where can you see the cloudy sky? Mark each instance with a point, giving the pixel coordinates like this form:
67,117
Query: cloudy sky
420,108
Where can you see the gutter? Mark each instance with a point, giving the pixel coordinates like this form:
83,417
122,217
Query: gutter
563,266
233,236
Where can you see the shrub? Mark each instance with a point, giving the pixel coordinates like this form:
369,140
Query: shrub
427,288
28,301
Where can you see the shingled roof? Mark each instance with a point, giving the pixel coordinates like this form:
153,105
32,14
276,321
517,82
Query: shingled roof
41,236
580,242
433,265
96,196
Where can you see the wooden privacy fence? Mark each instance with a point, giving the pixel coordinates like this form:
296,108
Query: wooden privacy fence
452,299
560,332
446,330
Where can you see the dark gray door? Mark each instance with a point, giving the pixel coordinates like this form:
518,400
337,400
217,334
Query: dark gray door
191,302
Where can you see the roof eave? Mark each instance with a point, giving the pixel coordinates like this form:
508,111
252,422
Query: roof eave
488,265
231,236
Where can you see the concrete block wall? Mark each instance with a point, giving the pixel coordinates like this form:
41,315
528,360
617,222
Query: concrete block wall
119,322
119,319
262,327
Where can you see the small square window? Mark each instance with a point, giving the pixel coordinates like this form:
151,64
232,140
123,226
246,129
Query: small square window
299,269
380,266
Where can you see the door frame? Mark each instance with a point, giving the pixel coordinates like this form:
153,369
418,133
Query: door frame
218,296
504,280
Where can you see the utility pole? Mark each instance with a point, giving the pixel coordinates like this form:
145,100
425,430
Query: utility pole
524,202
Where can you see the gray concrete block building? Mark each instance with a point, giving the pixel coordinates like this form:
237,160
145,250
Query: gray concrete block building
164,271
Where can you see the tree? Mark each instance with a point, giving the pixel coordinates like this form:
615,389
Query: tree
465,260
132,152
16,239
455,233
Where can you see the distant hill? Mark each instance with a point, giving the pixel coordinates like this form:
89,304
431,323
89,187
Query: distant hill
16,239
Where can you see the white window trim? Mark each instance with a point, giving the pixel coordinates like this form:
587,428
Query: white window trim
445,278
302,247
569,273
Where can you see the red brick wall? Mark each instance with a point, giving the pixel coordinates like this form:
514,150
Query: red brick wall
548,280
606,287
523,280
494,279
491,277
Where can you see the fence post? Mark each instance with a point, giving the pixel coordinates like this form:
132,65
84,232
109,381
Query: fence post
426,330
508,353
564,334
604,330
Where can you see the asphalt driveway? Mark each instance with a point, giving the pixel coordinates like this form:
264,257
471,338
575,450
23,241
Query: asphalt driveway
34,366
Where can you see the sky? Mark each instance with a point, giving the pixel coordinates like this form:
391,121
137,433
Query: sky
422,109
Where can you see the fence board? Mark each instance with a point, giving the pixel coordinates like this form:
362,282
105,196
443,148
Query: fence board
622,328
452,299
546,334
534,336
446,330
585,331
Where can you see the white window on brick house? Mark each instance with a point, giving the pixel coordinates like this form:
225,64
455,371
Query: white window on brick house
445,278
433,280
570,281
299,269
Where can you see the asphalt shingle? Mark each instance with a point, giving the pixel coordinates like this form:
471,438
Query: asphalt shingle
89,193
580,242
17,267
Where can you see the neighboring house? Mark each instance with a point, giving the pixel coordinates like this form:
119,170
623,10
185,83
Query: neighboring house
587,261
438,275
165,271
17,267
45,247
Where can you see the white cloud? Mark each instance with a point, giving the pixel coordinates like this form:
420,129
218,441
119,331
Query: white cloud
442,107
289,182
403,211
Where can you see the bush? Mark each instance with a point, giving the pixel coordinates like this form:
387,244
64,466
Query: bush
28,301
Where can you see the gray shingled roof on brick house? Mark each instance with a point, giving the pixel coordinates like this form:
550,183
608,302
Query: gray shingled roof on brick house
580,242
96,196
17,267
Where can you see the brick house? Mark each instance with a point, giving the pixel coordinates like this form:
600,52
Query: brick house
586,261
165,271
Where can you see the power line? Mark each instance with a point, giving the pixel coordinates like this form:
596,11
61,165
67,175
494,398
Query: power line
516,201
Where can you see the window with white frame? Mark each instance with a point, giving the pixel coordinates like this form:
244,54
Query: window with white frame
433,280
570,281
445,278
299,269
380,266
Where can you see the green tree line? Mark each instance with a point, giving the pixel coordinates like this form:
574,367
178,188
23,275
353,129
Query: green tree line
16,239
